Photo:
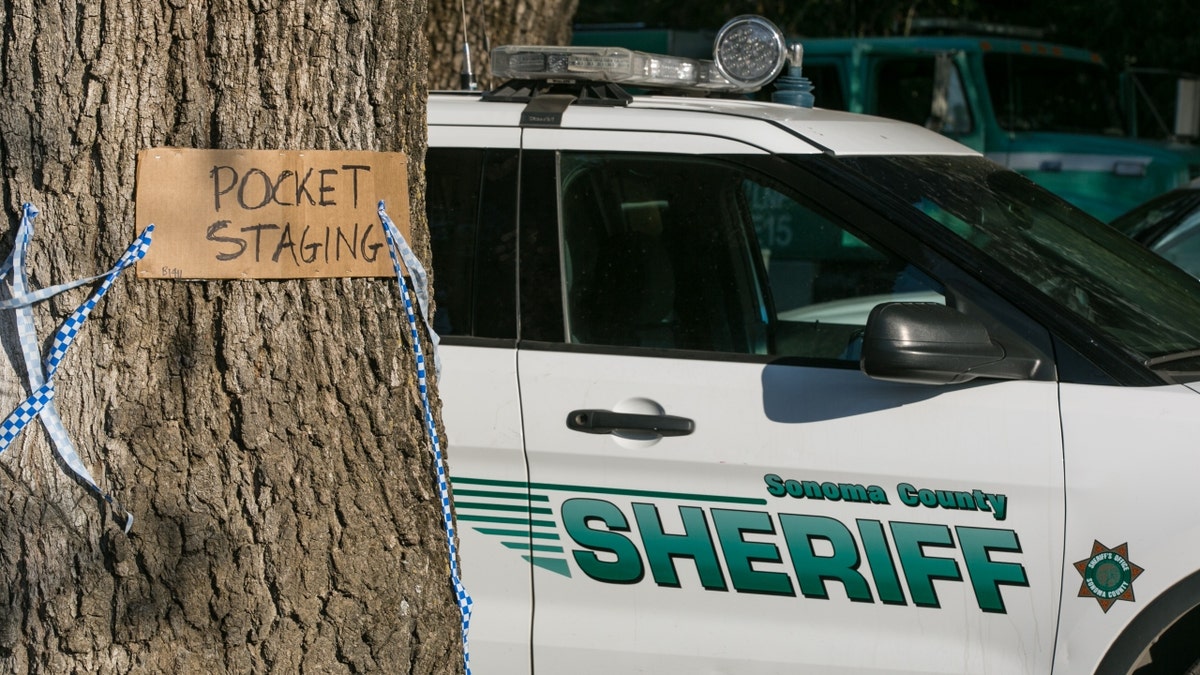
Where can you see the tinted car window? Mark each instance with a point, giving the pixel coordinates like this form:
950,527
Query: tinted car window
693,253
655,254
541,300
474,257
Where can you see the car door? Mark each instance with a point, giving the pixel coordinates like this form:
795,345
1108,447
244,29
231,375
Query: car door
715,486
471,194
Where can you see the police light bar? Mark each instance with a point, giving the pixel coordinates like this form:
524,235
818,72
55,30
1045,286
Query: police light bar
749,52
607,64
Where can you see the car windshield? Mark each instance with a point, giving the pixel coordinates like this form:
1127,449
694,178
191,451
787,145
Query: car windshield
1092,271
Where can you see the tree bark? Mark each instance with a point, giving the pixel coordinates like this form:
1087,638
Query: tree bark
490,23
267,435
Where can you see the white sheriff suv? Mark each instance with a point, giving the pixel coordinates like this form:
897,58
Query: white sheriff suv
734,386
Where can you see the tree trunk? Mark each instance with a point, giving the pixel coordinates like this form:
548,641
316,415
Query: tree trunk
267,435
490,23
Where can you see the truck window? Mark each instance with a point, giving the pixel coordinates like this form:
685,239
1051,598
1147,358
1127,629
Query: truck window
1042,93
924,90
827,85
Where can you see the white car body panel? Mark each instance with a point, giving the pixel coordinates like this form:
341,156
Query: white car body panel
1077,465
1131,455
797,423
482,414
835,132
473,136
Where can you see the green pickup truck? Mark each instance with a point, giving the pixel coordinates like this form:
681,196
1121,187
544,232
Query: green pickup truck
1051,112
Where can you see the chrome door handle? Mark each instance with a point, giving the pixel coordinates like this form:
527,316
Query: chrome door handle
607,421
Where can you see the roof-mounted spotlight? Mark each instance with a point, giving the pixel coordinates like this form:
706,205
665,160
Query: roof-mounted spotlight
749,51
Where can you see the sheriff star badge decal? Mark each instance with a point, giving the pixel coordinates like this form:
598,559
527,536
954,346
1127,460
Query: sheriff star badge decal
1108,575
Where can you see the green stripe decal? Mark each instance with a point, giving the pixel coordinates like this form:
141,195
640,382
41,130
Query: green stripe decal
500,495
496,495
556,565
562,487
502,507
506,521
544,548
517,533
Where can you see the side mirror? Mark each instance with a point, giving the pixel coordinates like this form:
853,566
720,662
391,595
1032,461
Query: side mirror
930,343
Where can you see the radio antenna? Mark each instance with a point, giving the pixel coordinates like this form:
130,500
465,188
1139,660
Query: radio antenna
467,77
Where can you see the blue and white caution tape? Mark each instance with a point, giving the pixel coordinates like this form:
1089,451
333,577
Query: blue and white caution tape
41,375
398,249
399,245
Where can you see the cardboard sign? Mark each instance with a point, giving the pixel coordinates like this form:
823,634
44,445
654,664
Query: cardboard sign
268,214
